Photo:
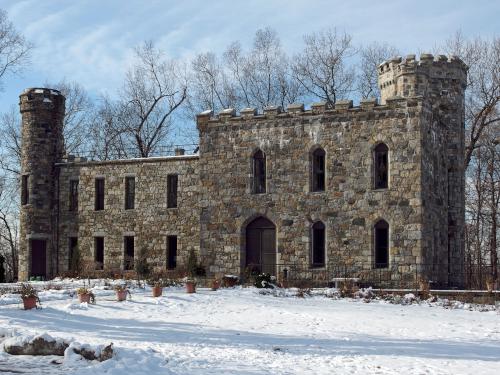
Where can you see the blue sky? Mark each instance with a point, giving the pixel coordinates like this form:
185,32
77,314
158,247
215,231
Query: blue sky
91,41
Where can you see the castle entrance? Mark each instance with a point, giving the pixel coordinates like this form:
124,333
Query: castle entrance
38,258
261,246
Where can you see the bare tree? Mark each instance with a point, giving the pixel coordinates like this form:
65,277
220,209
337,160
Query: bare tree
267,72
322,67
154,89
78,113
14,49
10,142
371,56
483,87
9,219
210,86
107,138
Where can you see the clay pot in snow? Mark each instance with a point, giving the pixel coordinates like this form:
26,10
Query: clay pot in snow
29,303
157,291
190,286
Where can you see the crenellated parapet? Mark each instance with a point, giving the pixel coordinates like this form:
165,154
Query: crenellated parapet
429,76
341,108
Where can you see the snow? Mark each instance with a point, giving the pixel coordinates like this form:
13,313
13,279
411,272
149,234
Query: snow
251,331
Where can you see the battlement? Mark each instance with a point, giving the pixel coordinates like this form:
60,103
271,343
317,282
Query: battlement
298,109
430,75
39,98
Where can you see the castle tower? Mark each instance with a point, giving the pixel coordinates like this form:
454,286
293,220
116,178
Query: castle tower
441,80
42,112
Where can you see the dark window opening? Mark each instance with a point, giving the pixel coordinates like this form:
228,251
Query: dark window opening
99,194
171,252
381,166
318,170
318,244
73,254
259,172
381,244
25,195
128,244
129,193
73,195
172,180
99,253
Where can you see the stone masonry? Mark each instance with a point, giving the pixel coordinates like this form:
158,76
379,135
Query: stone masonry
420,119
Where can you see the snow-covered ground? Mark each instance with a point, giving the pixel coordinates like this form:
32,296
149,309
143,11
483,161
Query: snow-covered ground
241,331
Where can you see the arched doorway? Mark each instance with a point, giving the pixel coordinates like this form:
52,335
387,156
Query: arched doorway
261,246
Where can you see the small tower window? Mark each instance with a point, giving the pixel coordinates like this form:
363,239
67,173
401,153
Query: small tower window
99,194
259,172
381,166
25,195
172,181
381,244
129,193
73,195
318,170
318,245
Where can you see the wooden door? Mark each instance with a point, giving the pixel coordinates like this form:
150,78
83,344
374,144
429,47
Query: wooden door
261,246
39,258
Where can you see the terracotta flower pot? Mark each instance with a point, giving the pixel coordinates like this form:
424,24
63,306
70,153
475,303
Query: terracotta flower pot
29,303
157,291
190,287
215,284
121,295
84,297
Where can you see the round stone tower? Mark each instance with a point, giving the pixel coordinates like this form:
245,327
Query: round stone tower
42,112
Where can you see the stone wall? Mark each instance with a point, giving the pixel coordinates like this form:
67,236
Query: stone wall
150,222
349,207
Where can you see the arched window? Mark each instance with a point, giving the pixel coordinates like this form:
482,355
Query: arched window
381,166
318,244
381,244
318,170
259,172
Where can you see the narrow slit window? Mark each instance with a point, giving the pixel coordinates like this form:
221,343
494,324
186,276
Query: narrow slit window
73,195
318,245
172,181
381,244
381,166
259,172
171,252
318,170
99,194
99,253
25,196
129,193
129,252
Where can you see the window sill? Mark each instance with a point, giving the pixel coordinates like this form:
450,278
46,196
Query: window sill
318,267
381,189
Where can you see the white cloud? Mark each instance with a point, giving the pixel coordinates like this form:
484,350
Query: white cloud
91,41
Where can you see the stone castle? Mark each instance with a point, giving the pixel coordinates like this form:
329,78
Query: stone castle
369,191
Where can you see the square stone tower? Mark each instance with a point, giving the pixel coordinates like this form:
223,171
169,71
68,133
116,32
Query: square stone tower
440,81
